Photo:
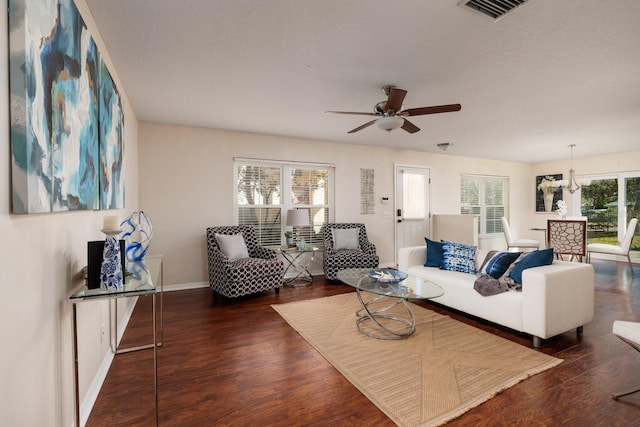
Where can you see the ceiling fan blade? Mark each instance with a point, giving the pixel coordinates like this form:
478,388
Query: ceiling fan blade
394,101
431,110
410,127
352,112
362,127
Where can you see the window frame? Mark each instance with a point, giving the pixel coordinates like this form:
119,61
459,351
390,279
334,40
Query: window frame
482,206
312,235
622,198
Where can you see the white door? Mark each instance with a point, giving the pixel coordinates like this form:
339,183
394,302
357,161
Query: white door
412,206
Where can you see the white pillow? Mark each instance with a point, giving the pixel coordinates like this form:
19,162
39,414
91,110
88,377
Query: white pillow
232,246
345,238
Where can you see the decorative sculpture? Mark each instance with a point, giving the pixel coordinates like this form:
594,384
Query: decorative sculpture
137,233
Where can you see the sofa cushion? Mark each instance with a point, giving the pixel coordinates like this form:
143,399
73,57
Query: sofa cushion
434,253
233,246
458,257
345,239
499,263
532,259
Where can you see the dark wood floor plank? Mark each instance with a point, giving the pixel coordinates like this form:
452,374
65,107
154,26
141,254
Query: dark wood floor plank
240,364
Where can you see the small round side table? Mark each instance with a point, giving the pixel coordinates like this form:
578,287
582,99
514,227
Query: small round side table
302,275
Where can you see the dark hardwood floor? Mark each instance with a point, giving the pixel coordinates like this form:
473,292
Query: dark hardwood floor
241,365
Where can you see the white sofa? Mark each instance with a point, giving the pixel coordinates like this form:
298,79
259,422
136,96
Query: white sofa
554,298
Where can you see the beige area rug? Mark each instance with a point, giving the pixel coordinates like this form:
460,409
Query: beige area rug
441,371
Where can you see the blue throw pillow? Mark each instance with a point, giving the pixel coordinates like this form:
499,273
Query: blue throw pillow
499,263
434,253
458,257
532,259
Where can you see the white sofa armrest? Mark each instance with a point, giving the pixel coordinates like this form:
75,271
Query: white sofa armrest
557,298
410,256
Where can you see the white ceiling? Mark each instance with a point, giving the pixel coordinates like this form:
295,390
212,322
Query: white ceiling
550,74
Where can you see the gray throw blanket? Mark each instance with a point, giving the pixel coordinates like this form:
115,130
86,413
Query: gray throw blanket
486,285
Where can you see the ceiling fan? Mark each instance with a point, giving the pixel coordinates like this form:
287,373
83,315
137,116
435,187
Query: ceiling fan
391,115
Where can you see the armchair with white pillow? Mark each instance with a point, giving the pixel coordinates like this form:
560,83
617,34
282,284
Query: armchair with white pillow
239,265
346,246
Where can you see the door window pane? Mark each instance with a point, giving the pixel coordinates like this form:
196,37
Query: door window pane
600,206
414,203
609,204
632,197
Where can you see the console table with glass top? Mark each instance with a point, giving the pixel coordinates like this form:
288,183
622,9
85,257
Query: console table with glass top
145,279
292,255
398,293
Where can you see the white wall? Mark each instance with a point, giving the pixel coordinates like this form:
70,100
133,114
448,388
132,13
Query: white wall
40,260
186,185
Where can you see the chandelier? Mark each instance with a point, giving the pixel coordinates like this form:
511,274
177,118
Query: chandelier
572,184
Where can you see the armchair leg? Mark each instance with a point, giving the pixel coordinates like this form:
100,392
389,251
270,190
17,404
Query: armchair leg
630,265
277,291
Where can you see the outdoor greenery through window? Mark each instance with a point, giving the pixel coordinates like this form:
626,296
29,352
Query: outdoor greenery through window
486,197
265,190
600,202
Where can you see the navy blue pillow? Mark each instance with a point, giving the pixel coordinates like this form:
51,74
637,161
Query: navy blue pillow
434,253
532,259
500,262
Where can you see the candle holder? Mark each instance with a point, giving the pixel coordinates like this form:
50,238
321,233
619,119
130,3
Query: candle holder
111,274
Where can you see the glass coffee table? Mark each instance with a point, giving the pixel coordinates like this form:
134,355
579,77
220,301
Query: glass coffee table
396,291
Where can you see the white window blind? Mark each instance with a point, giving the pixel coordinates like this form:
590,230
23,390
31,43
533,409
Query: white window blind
486,197
266,190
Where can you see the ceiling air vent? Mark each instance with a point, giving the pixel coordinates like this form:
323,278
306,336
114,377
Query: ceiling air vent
496,9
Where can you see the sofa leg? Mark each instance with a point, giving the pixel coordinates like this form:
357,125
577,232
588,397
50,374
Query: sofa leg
537,342
580,329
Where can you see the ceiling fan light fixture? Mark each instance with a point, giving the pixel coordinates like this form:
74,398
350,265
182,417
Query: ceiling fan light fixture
389,123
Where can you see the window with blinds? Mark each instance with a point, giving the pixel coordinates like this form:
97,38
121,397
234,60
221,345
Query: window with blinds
486,197
266,190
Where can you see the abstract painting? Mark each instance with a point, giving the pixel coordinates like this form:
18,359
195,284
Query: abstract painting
55,110
111,143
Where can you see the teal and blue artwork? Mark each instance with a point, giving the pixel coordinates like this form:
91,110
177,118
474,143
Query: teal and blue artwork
55,110
111,142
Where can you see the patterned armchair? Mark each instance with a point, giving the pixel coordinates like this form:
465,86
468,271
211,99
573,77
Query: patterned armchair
262,271
362,255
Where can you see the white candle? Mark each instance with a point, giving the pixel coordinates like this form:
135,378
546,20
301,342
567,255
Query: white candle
111,222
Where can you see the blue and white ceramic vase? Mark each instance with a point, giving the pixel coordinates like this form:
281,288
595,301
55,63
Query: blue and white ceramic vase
137,233
111,274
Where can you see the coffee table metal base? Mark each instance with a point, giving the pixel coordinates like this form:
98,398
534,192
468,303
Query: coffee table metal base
368,313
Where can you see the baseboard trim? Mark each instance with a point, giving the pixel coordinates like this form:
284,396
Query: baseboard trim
184,286
89,399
